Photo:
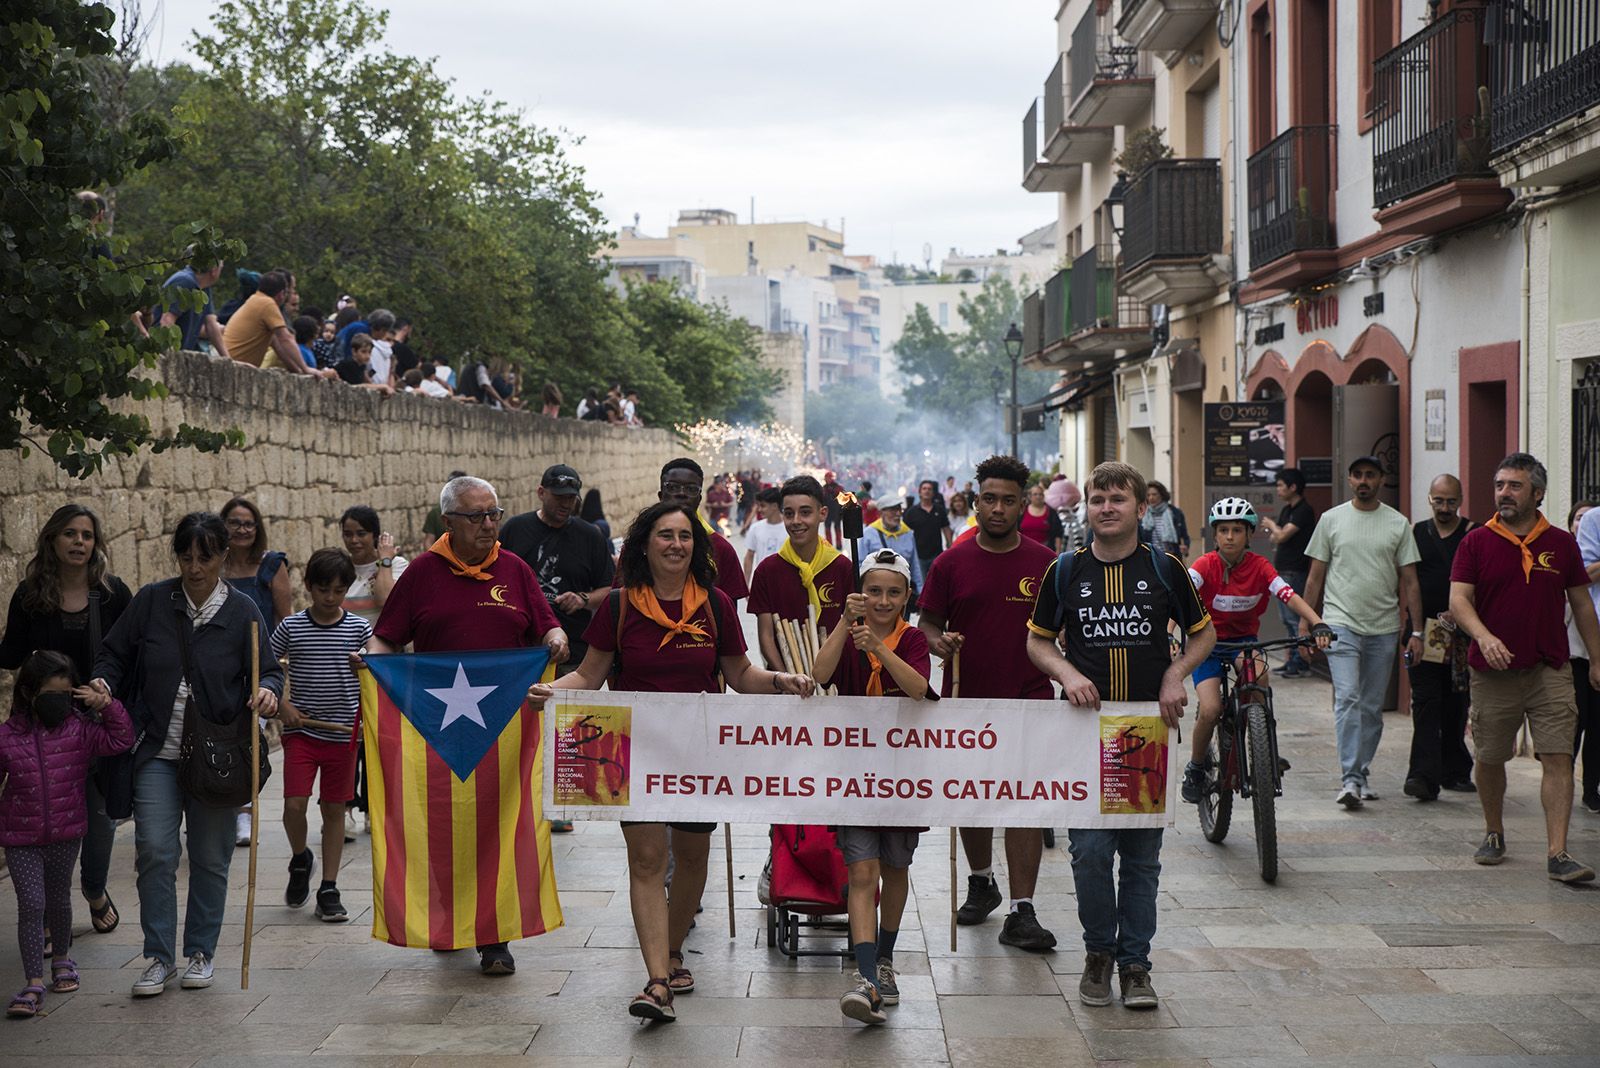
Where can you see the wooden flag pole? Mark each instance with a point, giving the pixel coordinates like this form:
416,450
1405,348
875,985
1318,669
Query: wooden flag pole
955,691
727,851
255,806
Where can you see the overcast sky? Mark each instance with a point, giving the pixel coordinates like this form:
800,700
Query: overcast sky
901,117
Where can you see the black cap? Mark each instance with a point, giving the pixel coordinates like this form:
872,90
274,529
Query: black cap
561,479
1359,460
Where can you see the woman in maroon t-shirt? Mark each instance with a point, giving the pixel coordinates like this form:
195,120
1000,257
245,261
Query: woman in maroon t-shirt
671,641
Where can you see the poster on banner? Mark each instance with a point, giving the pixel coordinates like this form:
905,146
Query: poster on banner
851,760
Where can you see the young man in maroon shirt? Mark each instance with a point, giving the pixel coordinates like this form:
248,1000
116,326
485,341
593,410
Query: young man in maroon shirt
806,573
682,483
1509,582
985,588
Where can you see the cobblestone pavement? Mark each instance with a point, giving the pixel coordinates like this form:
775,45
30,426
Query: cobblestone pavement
1381,944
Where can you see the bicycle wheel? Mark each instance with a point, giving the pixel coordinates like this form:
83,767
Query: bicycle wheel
1262,790
1216,800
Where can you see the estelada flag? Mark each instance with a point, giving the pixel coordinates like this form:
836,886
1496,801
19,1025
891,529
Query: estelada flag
460,848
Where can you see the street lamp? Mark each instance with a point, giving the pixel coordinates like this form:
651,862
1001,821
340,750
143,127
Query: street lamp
1013,342
997,379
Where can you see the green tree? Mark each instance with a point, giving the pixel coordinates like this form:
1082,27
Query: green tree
928,362
704,353
69,352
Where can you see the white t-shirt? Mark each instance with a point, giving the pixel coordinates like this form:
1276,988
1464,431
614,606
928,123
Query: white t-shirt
382,361
433,388
359,598
764,539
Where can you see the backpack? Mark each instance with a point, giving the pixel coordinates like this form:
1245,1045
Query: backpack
1064,564
619,608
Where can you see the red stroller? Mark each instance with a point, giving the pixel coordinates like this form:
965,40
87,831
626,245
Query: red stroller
807,890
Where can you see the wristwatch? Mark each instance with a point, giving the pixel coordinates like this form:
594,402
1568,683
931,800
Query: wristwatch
1416,634
387,561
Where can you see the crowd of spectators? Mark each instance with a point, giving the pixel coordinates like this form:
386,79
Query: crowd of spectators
266,326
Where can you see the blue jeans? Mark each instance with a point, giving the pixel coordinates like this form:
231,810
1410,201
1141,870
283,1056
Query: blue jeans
1291,621
1120,920
159,808
95,861
1360,665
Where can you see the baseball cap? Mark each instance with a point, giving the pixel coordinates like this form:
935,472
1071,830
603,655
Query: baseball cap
887,560
561,479
1359,460
888,501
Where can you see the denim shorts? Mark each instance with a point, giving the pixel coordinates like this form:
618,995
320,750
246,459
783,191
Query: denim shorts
1211,667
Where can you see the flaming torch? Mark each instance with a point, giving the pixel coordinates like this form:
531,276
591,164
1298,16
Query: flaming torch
853,530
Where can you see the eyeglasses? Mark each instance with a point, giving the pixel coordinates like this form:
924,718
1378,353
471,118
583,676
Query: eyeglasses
241,524
1444,500
478,518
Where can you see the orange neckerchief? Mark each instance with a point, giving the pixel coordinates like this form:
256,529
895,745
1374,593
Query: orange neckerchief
891,643
1540,527
644,599
442,547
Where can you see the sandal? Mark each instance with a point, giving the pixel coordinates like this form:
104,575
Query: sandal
648,1006
27,1003
64,978
680,980
97,916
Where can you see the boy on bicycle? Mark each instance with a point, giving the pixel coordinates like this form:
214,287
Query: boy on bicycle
1235,586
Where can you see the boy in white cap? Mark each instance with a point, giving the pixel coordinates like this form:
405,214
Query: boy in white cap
889,532
875,653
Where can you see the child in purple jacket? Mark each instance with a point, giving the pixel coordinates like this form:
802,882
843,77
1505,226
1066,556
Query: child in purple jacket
46,750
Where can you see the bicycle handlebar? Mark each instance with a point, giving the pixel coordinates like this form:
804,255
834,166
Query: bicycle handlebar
1276,643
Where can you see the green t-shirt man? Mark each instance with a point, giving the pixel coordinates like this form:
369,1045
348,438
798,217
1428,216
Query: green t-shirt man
1364,552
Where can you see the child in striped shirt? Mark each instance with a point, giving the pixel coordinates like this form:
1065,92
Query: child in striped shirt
320,710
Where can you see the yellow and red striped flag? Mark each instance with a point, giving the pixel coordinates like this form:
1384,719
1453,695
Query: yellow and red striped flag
460,847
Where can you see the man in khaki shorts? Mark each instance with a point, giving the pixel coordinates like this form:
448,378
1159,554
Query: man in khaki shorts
1512,577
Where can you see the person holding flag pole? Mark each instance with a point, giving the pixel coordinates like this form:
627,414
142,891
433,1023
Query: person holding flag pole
667,630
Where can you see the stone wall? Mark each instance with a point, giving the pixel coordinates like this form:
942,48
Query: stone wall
314,448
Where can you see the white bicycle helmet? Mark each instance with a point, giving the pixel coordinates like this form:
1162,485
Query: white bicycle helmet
1233,509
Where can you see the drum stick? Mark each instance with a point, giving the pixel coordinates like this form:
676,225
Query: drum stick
955,691
787,654
727,851
255,806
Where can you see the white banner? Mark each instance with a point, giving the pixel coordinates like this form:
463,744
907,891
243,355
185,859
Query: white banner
859,761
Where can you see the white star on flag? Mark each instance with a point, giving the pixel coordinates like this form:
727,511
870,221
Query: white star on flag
461,699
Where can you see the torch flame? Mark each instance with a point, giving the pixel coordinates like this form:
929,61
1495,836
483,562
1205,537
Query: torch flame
847,500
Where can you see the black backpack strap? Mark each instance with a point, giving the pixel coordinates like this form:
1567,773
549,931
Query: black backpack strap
716,640
1064,564
618,606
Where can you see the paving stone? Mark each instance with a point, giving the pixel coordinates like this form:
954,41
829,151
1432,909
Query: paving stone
848,1040
1284,983
1005,1017
992,976
1552,1038
296,1009
1293,936
1330,1040
1519,980
1458,934
1200,1042
1069,1052
1252,1011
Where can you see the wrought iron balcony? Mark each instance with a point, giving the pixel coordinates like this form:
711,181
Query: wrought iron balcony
1039,175
1172,211
1290,194
1111,84
1431,108
1068,144
1544,65
1032,323
1164,25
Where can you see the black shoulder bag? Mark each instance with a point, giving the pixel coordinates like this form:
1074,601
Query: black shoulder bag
113,775
214,758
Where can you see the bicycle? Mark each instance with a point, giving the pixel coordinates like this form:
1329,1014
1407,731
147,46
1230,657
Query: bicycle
1243,755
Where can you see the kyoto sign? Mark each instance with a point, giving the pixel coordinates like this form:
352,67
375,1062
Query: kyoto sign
853,760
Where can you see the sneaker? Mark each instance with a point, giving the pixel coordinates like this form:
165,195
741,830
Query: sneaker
1591,802
351,825
1563,869
198,975
241,829
1493,849
496,959
863,1004
329,908
1419,789
154,980
983,897
1460,786
1291,670
1368,794
300,869
888,986
1194,781
1095,986
1022,930
1137,993
560,826
1349,795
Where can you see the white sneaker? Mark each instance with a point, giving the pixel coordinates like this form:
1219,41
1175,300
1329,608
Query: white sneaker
351,825
1349,796
198,975
154,980
241,829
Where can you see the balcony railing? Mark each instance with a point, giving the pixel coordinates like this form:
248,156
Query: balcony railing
1055,98
1098,54
1030,139
1055,308
1291,192
1430,126
1544,65
1173,210
1032,323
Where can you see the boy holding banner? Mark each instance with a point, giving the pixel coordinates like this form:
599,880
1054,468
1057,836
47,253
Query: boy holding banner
878,655
807,574
1110,608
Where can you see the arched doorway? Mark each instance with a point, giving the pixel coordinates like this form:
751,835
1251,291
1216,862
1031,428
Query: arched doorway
1310,430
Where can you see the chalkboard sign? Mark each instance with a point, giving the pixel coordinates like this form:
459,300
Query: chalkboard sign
1317,469
1244,443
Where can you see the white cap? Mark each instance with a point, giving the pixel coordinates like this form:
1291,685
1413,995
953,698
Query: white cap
887,560
888,501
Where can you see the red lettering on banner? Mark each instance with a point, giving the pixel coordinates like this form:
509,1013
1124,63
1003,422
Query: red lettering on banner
762,734
688,785
848,737
1015,790
779,786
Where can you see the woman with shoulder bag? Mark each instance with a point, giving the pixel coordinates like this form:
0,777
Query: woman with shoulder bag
180,656
67,601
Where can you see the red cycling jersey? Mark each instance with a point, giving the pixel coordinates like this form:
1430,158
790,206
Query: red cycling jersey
1237,598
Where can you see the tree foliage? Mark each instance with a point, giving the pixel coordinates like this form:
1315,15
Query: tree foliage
68,349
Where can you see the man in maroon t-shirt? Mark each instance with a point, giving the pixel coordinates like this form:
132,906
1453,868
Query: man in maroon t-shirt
984,588
466,593
682,483
1509,583
806,573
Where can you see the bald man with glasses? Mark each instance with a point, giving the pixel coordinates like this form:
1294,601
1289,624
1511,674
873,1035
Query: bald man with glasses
1439,692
